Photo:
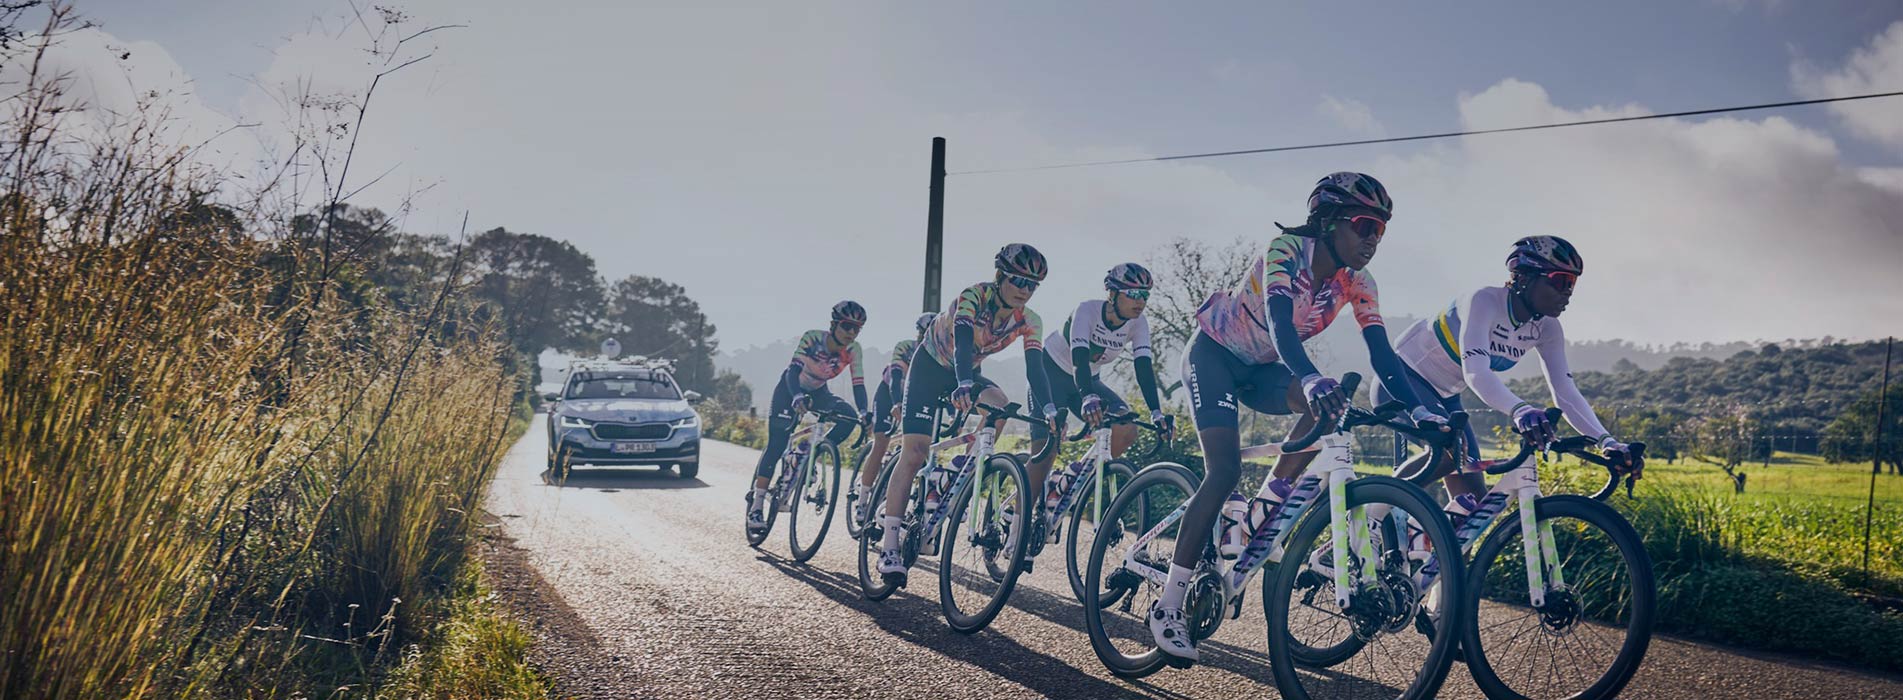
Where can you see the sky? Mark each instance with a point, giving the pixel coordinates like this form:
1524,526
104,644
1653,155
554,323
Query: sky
773,158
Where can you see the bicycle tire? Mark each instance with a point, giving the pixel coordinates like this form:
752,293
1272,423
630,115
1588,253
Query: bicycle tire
772,511
1643,595
1134,496
871,586
822,474
1279,589
1116,473
998,467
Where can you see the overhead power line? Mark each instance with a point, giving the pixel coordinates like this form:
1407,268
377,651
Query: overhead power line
1450,134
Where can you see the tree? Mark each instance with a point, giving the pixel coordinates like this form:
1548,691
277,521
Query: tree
654,317
1852,437
1187,271
545,291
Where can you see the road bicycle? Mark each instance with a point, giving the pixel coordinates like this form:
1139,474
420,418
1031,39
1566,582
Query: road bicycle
958,507
1568,612
1370,608
807,482
1080,491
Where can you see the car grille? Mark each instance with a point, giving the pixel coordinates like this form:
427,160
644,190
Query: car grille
623,431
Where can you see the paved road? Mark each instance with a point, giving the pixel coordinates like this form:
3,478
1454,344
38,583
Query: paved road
656,569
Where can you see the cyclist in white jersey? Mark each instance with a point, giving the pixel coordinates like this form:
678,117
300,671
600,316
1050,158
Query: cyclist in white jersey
1489,332
1092,338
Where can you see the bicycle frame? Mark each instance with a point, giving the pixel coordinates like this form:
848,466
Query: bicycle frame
810,435
1333,466
981,442
1092,462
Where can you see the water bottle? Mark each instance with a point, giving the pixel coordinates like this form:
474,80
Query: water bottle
941,482
1235,526
1054,486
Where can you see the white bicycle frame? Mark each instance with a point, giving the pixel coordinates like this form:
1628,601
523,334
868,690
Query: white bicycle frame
1334,465
981,441
810,433
1521,485
1092,470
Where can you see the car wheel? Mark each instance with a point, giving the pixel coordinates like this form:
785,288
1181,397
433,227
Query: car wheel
689,470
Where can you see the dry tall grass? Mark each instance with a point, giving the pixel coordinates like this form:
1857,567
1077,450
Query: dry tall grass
226,467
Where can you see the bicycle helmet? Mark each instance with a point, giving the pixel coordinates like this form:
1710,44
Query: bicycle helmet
1350,189
849,310
1128,276
1022,260
1545,254
925,321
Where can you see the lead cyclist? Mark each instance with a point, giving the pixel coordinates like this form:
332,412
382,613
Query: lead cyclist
1489,332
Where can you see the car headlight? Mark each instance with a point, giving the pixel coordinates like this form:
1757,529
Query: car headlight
574,422
688,422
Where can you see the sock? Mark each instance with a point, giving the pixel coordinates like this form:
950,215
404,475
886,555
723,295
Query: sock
760,500
1176,587
891,523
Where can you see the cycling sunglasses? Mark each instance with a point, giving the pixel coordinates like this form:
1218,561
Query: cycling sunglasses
1137,294
1561,280
1024,283
1366,226
848,326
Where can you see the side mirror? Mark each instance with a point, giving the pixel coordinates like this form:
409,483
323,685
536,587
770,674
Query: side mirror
692,396
551,397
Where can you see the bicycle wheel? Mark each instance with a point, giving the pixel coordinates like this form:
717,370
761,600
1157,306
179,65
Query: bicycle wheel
1083,528
816,498
1590,635
871,585
1396,641
1121,635
982,545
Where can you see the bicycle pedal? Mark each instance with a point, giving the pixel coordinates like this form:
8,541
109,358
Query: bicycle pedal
896,580
1027,565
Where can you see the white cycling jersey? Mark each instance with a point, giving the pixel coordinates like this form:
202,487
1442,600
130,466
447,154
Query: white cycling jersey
1474,340
1085,329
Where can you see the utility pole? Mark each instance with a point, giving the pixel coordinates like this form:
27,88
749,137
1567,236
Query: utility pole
935,228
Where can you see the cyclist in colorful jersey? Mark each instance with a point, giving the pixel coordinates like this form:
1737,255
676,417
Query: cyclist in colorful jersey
1092,338
887,401
985,319
1248,350
820,356
1489,332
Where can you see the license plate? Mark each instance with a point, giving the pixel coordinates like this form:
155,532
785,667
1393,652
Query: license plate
633,447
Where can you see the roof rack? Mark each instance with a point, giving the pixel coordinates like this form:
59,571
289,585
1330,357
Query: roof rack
636,362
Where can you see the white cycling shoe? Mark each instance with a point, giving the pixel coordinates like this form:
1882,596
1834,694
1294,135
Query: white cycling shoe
892,567
1171,633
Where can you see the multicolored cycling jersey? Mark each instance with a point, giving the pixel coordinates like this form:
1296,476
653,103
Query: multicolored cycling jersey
993,326
902,354
1475,339
1238,319
819,365
1086,329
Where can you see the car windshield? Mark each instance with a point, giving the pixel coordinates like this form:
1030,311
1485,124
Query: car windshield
622,387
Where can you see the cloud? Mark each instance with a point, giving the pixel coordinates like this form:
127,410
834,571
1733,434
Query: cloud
1351,115
119,82
1876,67
1717,229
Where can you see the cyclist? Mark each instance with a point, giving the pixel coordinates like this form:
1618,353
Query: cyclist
887,400
1489,332
1248,350
1095,335
983,320
820,356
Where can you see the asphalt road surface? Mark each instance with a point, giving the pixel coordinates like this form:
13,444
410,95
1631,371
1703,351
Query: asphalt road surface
652,573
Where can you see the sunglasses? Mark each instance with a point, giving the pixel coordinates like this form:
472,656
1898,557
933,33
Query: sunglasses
848,326
1366,226
1137,294
1562,281
1024,283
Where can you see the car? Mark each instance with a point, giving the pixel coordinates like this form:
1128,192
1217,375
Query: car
622,413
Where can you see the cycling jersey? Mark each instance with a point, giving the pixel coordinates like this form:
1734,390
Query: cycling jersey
819,365
1238,318
1475,339
902,355
993,326
1085,329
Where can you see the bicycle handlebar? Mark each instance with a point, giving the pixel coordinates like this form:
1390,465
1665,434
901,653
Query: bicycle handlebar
1008,412
1130,418
1349,382
835,417
1526,448
1576,446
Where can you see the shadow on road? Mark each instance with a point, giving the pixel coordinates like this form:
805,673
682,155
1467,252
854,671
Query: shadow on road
596,478
919,621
